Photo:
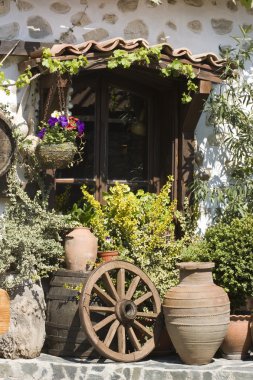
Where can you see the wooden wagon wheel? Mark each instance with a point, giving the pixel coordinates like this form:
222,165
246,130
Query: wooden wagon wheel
120,311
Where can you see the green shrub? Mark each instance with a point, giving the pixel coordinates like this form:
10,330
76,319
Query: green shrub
30,236
140,226
230,247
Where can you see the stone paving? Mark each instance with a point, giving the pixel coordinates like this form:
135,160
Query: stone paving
48,367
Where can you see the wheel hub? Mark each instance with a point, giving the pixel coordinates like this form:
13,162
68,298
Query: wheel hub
126,311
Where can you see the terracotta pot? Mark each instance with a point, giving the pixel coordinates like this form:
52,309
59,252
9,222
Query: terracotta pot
80,249
56,156
196,313
237,342
164,344
4,311
108,255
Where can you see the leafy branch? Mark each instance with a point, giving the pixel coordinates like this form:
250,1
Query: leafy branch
151,56
67,66
230,109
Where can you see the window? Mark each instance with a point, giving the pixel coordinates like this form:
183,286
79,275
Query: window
121,136
130,131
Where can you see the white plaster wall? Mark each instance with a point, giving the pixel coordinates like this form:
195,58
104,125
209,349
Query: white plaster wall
177,12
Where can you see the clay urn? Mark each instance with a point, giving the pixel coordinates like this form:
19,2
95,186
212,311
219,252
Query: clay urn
237,342
80,249
196,313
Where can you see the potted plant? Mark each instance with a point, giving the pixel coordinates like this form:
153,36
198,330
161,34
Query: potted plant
58,136
140,226
108,249
229,246
90,213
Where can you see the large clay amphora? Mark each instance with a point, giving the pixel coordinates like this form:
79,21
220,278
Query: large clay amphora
80,249
196,313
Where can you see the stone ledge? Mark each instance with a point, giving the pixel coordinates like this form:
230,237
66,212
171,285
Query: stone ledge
48,367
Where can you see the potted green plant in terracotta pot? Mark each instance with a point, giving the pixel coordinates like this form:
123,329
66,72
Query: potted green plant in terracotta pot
58,137
90,213
108,249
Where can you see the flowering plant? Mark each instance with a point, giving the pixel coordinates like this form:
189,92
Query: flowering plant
60,128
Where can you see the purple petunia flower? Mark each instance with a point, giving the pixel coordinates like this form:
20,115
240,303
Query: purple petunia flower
52,121
63,121
41,133
80,127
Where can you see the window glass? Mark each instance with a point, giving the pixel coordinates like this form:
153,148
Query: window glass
127,135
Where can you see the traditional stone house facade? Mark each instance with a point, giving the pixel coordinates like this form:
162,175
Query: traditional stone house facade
195,28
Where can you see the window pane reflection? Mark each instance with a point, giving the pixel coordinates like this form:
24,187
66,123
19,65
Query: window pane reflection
127,135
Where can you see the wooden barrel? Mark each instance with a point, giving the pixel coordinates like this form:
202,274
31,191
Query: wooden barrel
4,311
64,334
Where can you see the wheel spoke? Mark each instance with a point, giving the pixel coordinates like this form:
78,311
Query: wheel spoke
143,298
133,338
104,322
132,287
111,333
103,295
143,329
148,315
109,286
102,309
121,339
121,283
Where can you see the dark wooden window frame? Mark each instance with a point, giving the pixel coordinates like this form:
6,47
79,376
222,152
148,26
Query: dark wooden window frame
175,134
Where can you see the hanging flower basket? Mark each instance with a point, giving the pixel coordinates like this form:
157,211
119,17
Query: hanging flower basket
58,135
56,156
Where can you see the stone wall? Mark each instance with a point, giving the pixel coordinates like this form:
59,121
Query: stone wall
190,23
200,25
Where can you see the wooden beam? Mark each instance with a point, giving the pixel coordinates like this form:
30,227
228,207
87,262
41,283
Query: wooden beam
190,118
195,108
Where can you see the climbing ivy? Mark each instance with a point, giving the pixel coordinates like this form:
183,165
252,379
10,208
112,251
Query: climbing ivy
151,56
120,58
62,66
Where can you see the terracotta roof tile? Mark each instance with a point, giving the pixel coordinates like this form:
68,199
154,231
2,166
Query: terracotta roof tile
119,43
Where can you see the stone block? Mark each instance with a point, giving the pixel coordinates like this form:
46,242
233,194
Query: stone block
127,5
26,335
38,27
110,18
222,26
24,5
194,3
195,26
96,35
9,31
80,19
136,29
4,7
61,7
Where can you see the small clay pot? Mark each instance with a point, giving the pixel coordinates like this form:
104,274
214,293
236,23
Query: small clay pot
237,342
108,255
